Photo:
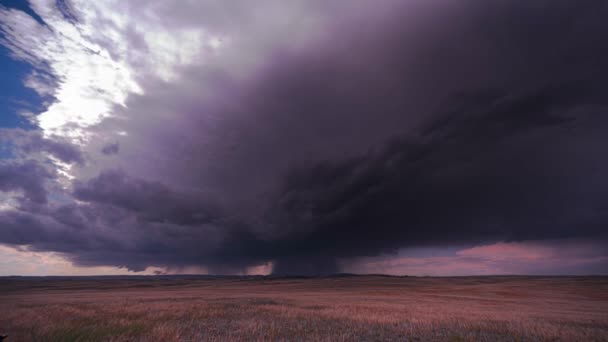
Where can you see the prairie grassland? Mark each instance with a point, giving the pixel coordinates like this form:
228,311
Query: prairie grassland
364,308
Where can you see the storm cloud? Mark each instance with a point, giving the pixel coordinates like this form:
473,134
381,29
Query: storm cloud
353,131
28,143
28,177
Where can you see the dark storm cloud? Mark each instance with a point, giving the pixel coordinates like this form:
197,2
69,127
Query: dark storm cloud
110,149
153,200
516,156
470,122
28,177
486,176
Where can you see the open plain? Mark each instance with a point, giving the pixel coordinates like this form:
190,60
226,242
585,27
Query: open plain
339,308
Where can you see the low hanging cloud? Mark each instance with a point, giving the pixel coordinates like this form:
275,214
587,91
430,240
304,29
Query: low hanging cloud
321,134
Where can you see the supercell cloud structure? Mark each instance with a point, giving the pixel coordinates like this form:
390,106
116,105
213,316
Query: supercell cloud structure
313,136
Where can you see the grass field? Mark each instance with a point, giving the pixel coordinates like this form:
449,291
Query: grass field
361,308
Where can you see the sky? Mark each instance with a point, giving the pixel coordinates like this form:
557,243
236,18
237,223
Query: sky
406,137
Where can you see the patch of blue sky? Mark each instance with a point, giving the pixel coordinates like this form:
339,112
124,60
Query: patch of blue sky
21,5
15,97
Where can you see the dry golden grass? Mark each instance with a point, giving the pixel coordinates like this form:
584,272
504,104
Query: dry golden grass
366,308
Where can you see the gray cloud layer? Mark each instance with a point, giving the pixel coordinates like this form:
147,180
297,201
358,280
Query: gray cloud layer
425,124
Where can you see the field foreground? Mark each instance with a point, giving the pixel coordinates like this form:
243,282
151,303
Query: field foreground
354,308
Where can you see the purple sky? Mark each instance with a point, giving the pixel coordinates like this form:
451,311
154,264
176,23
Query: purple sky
306,137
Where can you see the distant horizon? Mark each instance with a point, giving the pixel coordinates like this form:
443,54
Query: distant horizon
329,275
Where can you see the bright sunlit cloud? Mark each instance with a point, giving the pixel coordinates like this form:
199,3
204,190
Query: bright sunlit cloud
89,66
